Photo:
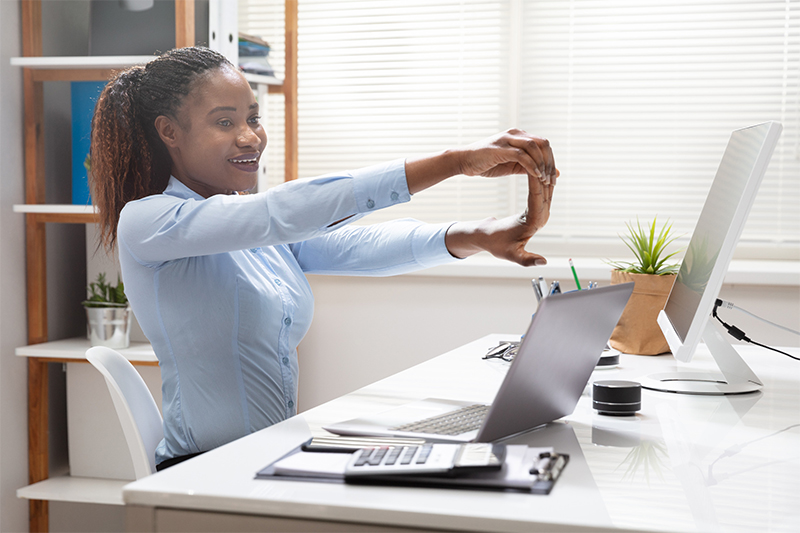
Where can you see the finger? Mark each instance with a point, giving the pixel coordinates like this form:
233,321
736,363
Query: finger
531,146
549,158
528,259
536,191
539,200
548,193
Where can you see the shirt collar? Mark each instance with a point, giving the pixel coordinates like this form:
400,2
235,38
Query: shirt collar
175,187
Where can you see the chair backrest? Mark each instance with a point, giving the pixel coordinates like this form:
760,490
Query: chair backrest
137,410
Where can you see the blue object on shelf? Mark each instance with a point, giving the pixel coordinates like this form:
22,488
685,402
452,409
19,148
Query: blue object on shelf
84,95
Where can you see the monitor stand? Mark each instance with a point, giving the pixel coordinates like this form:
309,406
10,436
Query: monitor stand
735,378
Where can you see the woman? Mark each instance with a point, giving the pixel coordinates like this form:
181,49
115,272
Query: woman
216,277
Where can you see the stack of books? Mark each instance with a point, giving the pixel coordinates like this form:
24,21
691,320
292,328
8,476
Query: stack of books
253,55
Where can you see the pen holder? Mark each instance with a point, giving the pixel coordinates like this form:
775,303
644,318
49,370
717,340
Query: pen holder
637,331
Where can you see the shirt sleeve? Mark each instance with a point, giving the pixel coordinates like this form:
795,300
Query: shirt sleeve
385,249
163,227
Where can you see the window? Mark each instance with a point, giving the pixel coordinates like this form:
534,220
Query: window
637,98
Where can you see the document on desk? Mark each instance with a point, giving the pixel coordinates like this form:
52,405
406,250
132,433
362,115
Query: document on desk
523,468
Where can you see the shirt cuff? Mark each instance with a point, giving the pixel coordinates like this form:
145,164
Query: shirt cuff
428,245
379,186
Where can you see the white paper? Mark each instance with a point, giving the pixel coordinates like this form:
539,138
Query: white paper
313,464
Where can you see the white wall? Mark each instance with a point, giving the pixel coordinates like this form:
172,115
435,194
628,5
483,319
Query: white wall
13,386
365,329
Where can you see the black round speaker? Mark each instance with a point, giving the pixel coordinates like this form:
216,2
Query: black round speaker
615,397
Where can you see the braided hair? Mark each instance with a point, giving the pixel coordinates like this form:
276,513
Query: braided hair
128,158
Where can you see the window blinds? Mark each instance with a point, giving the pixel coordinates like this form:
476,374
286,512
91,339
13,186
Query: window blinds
637,98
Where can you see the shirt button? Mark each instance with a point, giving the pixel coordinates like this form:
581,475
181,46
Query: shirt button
277,282
370,204
254,250
287,320
291,403
285,360
395,196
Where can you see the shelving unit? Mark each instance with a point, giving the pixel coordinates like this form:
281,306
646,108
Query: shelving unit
37,70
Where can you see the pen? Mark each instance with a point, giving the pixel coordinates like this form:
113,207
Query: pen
575,274
555,288
537,290
542,286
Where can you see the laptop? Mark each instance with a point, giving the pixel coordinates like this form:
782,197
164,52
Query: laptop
544,382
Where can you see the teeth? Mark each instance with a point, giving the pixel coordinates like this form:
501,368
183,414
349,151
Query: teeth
243,160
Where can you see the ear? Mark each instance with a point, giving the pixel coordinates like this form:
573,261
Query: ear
168,130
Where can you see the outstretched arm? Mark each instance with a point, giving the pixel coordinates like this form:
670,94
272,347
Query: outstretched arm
504,154
505,238
508,153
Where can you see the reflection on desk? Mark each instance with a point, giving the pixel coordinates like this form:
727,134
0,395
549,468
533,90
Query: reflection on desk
683,463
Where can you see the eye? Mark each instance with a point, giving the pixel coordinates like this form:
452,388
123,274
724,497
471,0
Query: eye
254,119
225,122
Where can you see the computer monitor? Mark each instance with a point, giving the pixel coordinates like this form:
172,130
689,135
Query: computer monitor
685,319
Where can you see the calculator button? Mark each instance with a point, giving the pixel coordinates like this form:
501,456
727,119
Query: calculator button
408,456
377,456
364,457
394,455
424,454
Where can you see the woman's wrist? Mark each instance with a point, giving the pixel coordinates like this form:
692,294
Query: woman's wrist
426,171
463,239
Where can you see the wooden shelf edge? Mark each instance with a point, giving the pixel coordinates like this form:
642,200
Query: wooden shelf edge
84,74
76,490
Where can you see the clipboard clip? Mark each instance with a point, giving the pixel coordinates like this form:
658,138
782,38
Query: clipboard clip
548,466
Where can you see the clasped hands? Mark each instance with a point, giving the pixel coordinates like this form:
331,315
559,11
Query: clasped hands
508,153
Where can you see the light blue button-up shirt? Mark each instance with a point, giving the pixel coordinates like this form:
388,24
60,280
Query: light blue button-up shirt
218,287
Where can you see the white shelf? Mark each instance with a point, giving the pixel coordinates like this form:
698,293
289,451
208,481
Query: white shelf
138,352
76,489
79,62
261,80
56,209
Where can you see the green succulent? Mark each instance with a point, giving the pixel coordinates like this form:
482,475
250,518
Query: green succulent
648,247
104,294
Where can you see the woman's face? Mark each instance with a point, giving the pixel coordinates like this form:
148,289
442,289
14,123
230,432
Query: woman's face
216,140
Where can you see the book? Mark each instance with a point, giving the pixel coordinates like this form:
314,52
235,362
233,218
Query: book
83,96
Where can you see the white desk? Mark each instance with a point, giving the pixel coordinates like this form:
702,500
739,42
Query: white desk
684,463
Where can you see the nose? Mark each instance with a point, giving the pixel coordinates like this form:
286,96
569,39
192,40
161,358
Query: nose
248,137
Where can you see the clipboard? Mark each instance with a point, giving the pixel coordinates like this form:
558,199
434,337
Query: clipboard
526,469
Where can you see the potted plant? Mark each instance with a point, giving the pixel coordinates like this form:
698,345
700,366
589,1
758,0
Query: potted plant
637,331
107,314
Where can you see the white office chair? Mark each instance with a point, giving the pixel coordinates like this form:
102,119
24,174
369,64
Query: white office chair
137,410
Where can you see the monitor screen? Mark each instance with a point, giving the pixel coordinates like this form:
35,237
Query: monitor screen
715,236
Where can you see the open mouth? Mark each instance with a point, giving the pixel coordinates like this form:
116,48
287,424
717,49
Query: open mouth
246,162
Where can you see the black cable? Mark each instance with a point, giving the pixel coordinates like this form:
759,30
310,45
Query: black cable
740,335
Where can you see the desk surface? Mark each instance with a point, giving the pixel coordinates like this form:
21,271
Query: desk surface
683,463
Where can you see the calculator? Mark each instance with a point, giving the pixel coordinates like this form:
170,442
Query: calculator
428,458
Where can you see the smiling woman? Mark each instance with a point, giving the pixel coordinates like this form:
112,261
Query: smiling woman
217,278
218,152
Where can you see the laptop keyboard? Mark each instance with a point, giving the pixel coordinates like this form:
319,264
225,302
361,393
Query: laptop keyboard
456,422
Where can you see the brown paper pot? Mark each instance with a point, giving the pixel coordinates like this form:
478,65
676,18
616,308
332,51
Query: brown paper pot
637,331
